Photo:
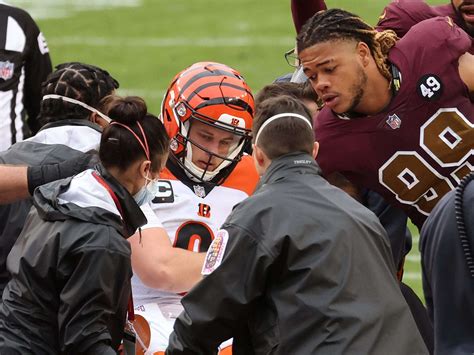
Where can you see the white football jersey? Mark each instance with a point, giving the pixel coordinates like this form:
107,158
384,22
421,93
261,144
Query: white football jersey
192,218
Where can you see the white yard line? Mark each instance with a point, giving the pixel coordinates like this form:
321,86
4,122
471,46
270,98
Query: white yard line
410,275
45,9
415,239
415,258
235,41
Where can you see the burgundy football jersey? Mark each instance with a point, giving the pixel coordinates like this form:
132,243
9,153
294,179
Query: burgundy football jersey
422,144
401,15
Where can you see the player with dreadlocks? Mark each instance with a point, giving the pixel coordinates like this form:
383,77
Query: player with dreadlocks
72,126
82,82
398,15
392,218
394,120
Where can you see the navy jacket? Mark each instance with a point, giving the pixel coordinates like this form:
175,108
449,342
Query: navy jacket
448,272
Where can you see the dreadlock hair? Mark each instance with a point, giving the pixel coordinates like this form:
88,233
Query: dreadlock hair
337,24
83,82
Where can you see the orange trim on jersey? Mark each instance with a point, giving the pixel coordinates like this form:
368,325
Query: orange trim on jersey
226,351
165,174
244,177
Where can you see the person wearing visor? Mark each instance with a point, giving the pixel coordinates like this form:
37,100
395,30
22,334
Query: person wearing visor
207,112
71,267
71,126
282,277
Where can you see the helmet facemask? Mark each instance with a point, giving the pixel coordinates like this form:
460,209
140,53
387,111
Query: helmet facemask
237,139
213,98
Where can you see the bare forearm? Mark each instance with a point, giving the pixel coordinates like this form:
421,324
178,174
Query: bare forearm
16,182
181,271
13,183
159,265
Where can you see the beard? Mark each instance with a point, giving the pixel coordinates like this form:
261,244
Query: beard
466,26
357,90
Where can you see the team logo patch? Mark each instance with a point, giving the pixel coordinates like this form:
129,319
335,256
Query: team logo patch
200,191
204,210
165,192
215,253
42,44
6,70
181,110
231,120
174,145
429,87
393,121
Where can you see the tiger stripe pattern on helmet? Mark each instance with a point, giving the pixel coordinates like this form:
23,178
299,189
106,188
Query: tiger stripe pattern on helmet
212,93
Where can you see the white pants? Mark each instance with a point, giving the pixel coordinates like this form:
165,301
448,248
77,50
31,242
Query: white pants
160,327
160,321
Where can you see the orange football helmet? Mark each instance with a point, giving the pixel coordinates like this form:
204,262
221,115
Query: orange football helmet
218,96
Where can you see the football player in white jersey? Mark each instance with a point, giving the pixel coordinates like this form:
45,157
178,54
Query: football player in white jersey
207,112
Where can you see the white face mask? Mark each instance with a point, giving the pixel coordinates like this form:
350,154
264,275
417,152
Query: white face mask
147,193
77,102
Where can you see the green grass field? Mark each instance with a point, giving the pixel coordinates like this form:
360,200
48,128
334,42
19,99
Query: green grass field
145,43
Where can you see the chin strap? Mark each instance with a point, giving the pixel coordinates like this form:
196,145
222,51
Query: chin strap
396,82
395,85
194,172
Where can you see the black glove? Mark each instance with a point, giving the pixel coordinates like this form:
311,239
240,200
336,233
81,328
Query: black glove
42,174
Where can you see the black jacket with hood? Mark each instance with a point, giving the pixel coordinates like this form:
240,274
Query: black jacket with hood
55,143
70,270
447,254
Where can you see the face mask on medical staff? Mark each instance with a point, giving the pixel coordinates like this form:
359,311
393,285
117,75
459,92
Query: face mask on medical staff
147,193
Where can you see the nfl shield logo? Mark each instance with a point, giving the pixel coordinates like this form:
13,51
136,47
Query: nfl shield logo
6,70
394,121
199,191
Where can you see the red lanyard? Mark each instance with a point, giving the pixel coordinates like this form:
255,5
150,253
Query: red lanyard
130,313
110,191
